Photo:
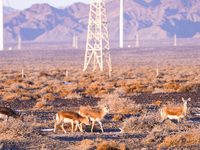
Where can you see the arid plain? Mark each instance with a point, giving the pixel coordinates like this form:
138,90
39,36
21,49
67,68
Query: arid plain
144,79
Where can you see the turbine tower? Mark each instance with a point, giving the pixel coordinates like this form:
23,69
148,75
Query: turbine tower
97,46
175,44
1,25
121,25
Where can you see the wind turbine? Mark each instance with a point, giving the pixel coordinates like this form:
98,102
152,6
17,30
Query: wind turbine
121,25
1,25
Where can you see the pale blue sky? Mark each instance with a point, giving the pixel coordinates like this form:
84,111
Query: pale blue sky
23,4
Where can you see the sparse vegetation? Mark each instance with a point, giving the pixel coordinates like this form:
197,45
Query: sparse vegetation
122,105
143,123
191,137
42,105
111,145
46,89
14,127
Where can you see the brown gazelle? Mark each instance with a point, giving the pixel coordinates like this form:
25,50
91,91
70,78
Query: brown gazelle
70,117
175,112
6,112
95,115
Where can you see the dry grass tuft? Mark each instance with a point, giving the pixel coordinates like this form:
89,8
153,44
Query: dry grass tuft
73,96
111,146
157,102
191,137
66,90
156,135
11,96
85,144
14,127
48,96
190,87
42,105
121,105
171,86
118,117
143,123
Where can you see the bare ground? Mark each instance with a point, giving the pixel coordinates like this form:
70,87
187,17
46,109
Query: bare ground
34,138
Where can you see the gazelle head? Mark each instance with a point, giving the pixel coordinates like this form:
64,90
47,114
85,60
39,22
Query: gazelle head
86,120
106,109
186,101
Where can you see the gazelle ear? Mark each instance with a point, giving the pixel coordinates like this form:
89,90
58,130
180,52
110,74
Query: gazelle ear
189,99
183,99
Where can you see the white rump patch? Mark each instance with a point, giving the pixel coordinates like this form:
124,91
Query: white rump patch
3,116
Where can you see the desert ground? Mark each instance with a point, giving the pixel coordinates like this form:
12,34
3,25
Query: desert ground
144,79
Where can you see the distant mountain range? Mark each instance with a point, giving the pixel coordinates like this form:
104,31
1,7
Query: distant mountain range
150,19
8,10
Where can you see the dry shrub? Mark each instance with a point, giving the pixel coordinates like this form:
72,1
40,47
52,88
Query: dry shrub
42,105
118,117
156,135
191,137
135,88
11,96
73,96
42,73
189,87
110,84
26,98
121,83
48,96
94,88
164,129
157,102
143,123
112,145
85,144
158,90
171,86
65,90
121,105
54,84
44,90
14,127
15,86
10,81
161,130
2,93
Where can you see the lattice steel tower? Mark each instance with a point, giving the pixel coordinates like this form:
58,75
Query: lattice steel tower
97,46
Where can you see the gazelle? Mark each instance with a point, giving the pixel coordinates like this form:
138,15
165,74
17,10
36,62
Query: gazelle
175,112
70,117
6,112
95,115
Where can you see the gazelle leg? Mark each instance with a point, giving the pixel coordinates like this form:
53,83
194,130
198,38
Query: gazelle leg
72,126
101,126
76,127
55,126
92,125
80,127
179,124
63,128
